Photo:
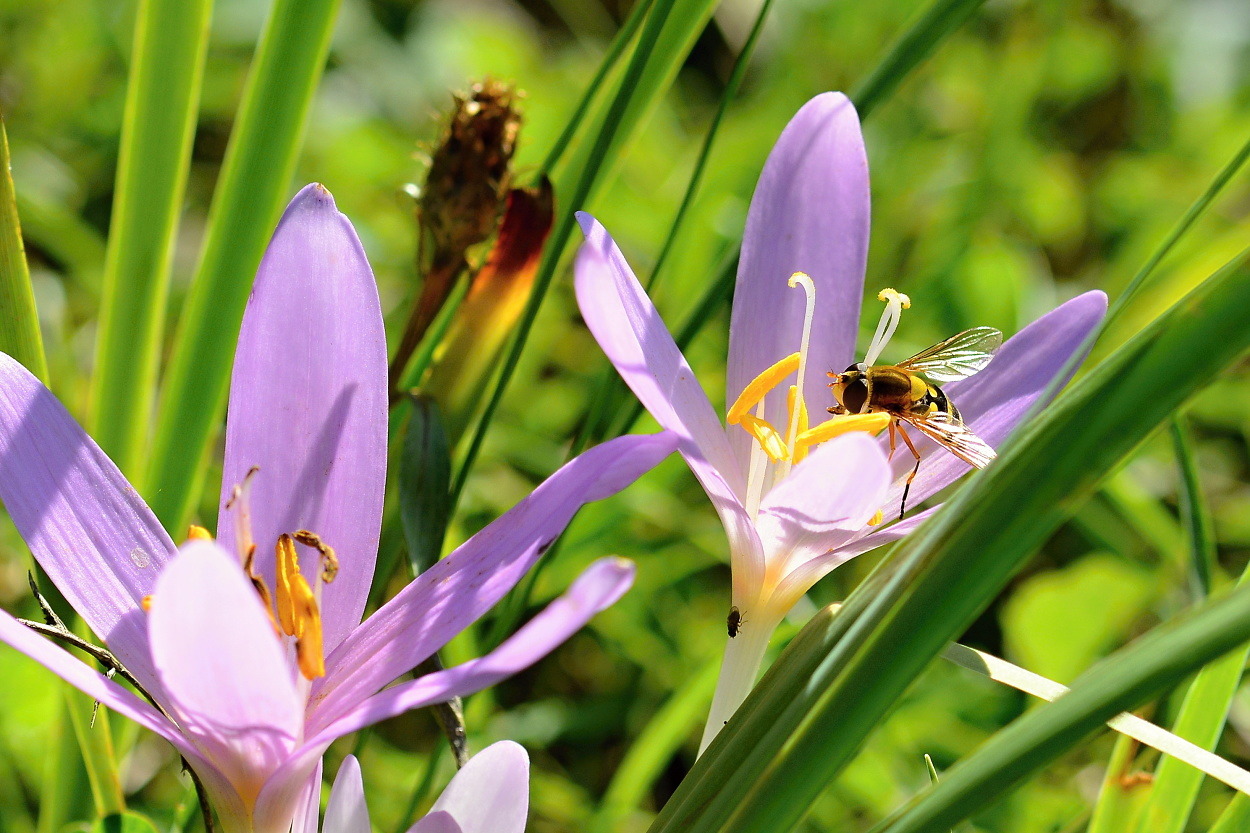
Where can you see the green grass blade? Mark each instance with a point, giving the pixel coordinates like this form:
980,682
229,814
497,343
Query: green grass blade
254,185
1235,818
1194,512
162,102
915,45
1121,797
652,749
1186,222
19,322
786,745
615,49
667,37
1124,680
424,478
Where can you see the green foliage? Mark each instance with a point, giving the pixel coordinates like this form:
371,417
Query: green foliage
1020,153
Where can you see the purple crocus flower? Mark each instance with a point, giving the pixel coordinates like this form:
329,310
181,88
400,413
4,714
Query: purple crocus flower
794,516
489,795
249,693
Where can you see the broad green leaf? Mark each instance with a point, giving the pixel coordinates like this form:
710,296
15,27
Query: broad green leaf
162,100
424,480
19,322
255,183
1092,602
812,712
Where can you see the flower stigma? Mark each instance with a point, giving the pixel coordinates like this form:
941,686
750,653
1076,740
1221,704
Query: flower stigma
774,454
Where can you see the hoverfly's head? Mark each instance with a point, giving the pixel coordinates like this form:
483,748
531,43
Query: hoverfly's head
850,388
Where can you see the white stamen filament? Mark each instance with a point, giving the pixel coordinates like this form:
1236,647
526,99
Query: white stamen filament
809,290
756,476
895,303
241,503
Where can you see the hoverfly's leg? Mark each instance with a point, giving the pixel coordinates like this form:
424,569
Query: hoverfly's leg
902,508
893,440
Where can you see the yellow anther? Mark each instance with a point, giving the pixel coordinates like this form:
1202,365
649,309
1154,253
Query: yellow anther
146,603
876,519
889,295
760,386
298,613
799,451
767,436
839,425
198,533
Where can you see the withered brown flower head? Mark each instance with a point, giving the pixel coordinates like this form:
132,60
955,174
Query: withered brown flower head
469,173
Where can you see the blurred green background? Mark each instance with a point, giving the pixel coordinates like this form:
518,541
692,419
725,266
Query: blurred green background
1044,150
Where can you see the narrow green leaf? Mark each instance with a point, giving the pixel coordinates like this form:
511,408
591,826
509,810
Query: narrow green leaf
1203,711
1125,680
424,480
652,749
1195,515
162,102
1186,222
253,187
19,322
95,742
787,744
661,50
620,40
610,389
913,47
64,783
1236,816
1121,796
123,823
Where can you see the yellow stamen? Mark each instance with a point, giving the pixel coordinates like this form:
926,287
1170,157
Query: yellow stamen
839,425
146,603
767,436
198,533
801,424
759,386
298,613
876,519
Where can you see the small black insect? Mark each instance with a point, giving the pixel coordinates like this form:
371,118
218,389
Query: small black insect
734,621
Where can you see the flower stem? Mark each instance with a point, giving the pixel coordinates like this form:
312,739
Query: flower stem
743,656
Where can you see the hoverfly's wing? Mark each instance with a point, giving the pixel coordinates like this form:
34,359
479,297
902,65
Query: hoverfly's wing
958,357
955,437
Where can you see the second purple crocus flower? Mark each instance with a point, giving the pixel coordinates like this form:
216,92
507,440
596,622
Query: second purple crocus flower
791,521
251,647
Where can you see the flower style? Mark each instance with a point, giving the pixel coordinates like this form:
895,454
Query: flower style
489,795
793,512
249,692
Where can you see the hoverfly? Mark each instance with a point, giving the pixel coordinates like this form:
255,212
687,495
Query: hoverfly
734,621
900,391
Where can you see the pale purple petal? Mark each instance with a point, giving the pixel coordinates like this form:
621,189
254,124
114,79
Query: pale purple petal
309,808
346,811
603,582
995,400
491,794
629,329
228,678
99,542
871,537
810,214
452,594
825,500
439,822
308,403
